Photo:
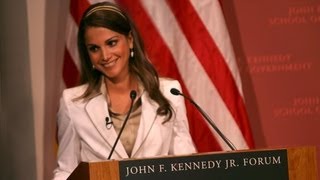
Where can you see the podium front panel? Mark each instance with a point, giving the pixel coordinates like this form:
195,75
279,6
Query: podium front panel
275,164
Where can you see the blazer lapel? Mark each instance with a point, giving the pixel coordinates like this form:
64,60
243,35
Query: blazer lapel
148,117
97,109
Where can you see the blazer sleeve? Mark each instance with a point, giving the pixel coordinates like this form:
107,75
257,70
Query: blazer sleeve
69,143
181,142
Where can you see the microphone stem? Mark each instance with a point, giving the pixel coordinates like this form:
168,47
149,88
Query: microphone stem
121,130
205,115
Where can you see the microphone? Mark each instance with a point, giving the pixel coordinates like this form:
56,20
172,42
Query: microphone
109,122
176,92
133,95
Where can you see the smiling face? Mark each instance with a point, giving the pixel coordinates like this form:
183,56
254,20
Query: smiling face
109,51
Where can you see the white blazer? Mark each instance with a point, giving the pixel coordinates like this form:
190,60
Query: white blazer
83,135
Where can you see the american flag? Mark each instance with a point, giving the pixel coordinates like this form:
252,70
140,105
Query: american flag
186,40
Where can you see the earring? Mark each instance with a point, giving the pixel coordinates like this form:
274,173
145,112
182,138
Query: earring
93,67
131,53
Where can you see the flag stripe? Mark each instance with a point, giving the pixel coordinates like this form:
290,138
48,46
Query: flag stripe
218,33
192,72
189,67
204,48
77,7
210,57
71,40
223,41
70,71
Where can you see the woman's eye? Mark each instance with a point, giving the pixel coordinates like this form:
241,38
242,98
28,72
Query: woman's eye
93,48
112,43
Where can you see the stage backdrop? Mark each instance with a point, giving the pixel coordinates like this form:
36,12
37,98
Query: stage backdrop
277,49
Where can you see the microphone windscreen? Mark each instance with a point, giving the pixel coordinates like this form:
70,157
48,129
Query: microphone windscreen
175,91
133,94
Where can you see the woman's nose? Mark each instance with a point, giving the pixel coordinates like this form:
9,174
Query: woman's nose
105,54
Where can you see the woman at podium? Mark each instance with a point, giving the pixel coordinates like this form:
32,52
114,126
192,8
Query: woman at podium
120,98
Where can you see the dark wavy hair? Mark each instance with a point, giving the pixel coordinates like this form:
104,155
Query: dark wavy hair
111,16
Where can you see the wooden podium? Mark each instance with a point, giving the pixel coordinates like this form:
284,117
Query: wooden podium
288,163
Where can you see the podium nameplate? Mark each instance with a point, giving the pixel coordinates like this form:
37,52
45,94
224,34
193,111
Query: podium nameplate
233,165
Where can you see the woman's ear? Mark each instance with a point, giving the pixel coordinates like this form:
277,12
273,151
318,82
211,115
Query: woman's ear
130,39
